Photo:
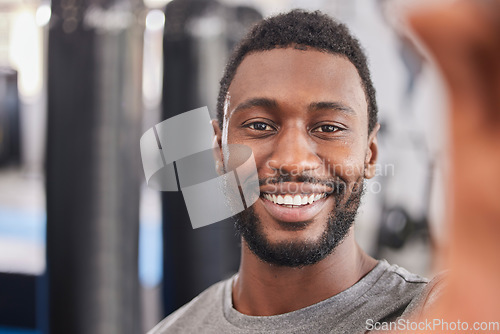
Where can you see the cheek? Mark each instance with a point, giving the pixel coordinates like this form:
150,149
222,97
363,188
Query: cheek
263,160
345,161
262,152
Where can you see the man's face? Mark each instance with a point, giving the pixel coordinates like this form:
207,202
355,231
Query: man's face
304,115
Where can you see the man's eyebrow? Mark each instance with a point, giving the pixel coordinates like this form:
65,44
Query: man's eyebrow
256,102
315,106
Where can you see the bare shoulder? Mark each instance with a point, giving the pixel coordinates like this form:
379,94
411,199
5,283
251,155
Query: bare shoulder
426,300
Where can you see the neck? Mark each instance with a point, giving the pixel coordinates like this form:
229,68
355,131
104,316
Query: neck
263,289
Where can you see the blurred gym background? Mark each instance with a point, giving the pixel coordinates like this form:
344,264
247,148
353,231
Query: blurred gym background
85,246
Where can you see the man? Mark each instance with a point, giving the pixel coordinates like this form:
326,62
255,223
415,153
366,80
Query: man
298,92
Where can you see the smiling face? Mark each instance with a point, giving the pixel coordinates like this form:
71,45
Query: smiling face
304,115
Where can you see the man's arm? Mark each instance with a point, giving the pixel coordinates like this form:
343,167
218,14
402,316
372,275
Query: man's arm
464,38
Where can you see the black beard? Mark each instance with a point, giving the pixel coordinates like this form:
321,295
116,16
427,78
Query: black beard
299,254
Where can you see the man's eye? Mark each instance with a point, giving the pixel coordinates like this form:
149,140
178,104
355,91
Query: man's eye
326,128
260,126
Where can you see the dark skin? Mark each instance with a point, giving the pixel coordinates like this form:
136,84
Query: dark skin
303,111
464,39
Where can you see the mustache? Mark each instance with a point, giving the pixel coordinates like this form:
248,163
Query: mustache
336,185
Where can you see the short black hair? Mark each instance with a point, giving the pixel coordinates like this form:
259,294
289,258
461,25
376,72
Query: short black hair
301,28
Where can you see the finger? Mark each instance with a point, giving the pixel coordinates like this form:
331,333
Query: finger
465,43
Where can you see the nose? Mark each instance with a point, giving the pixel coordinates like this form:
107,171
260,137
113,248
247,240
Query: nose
294,153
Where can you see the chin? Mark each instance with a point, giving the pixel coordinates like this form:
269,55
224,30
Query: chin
294,244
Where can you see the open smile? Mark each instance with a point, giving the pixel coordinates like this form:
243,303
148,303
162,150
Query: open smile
294,207
293,200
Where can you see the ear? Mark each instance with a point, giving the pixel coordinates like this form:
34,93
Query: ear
217,147
372,153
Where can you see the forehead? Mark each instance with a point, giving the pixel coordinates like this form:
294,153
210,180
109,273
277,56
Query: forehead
298,77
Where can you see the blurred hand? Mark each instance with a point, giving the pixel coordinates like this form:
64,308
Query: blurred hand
464,38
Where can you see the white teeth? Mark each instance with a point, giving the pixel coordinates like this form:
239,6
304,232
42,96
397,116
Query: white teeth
295,200
310,199
280,200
